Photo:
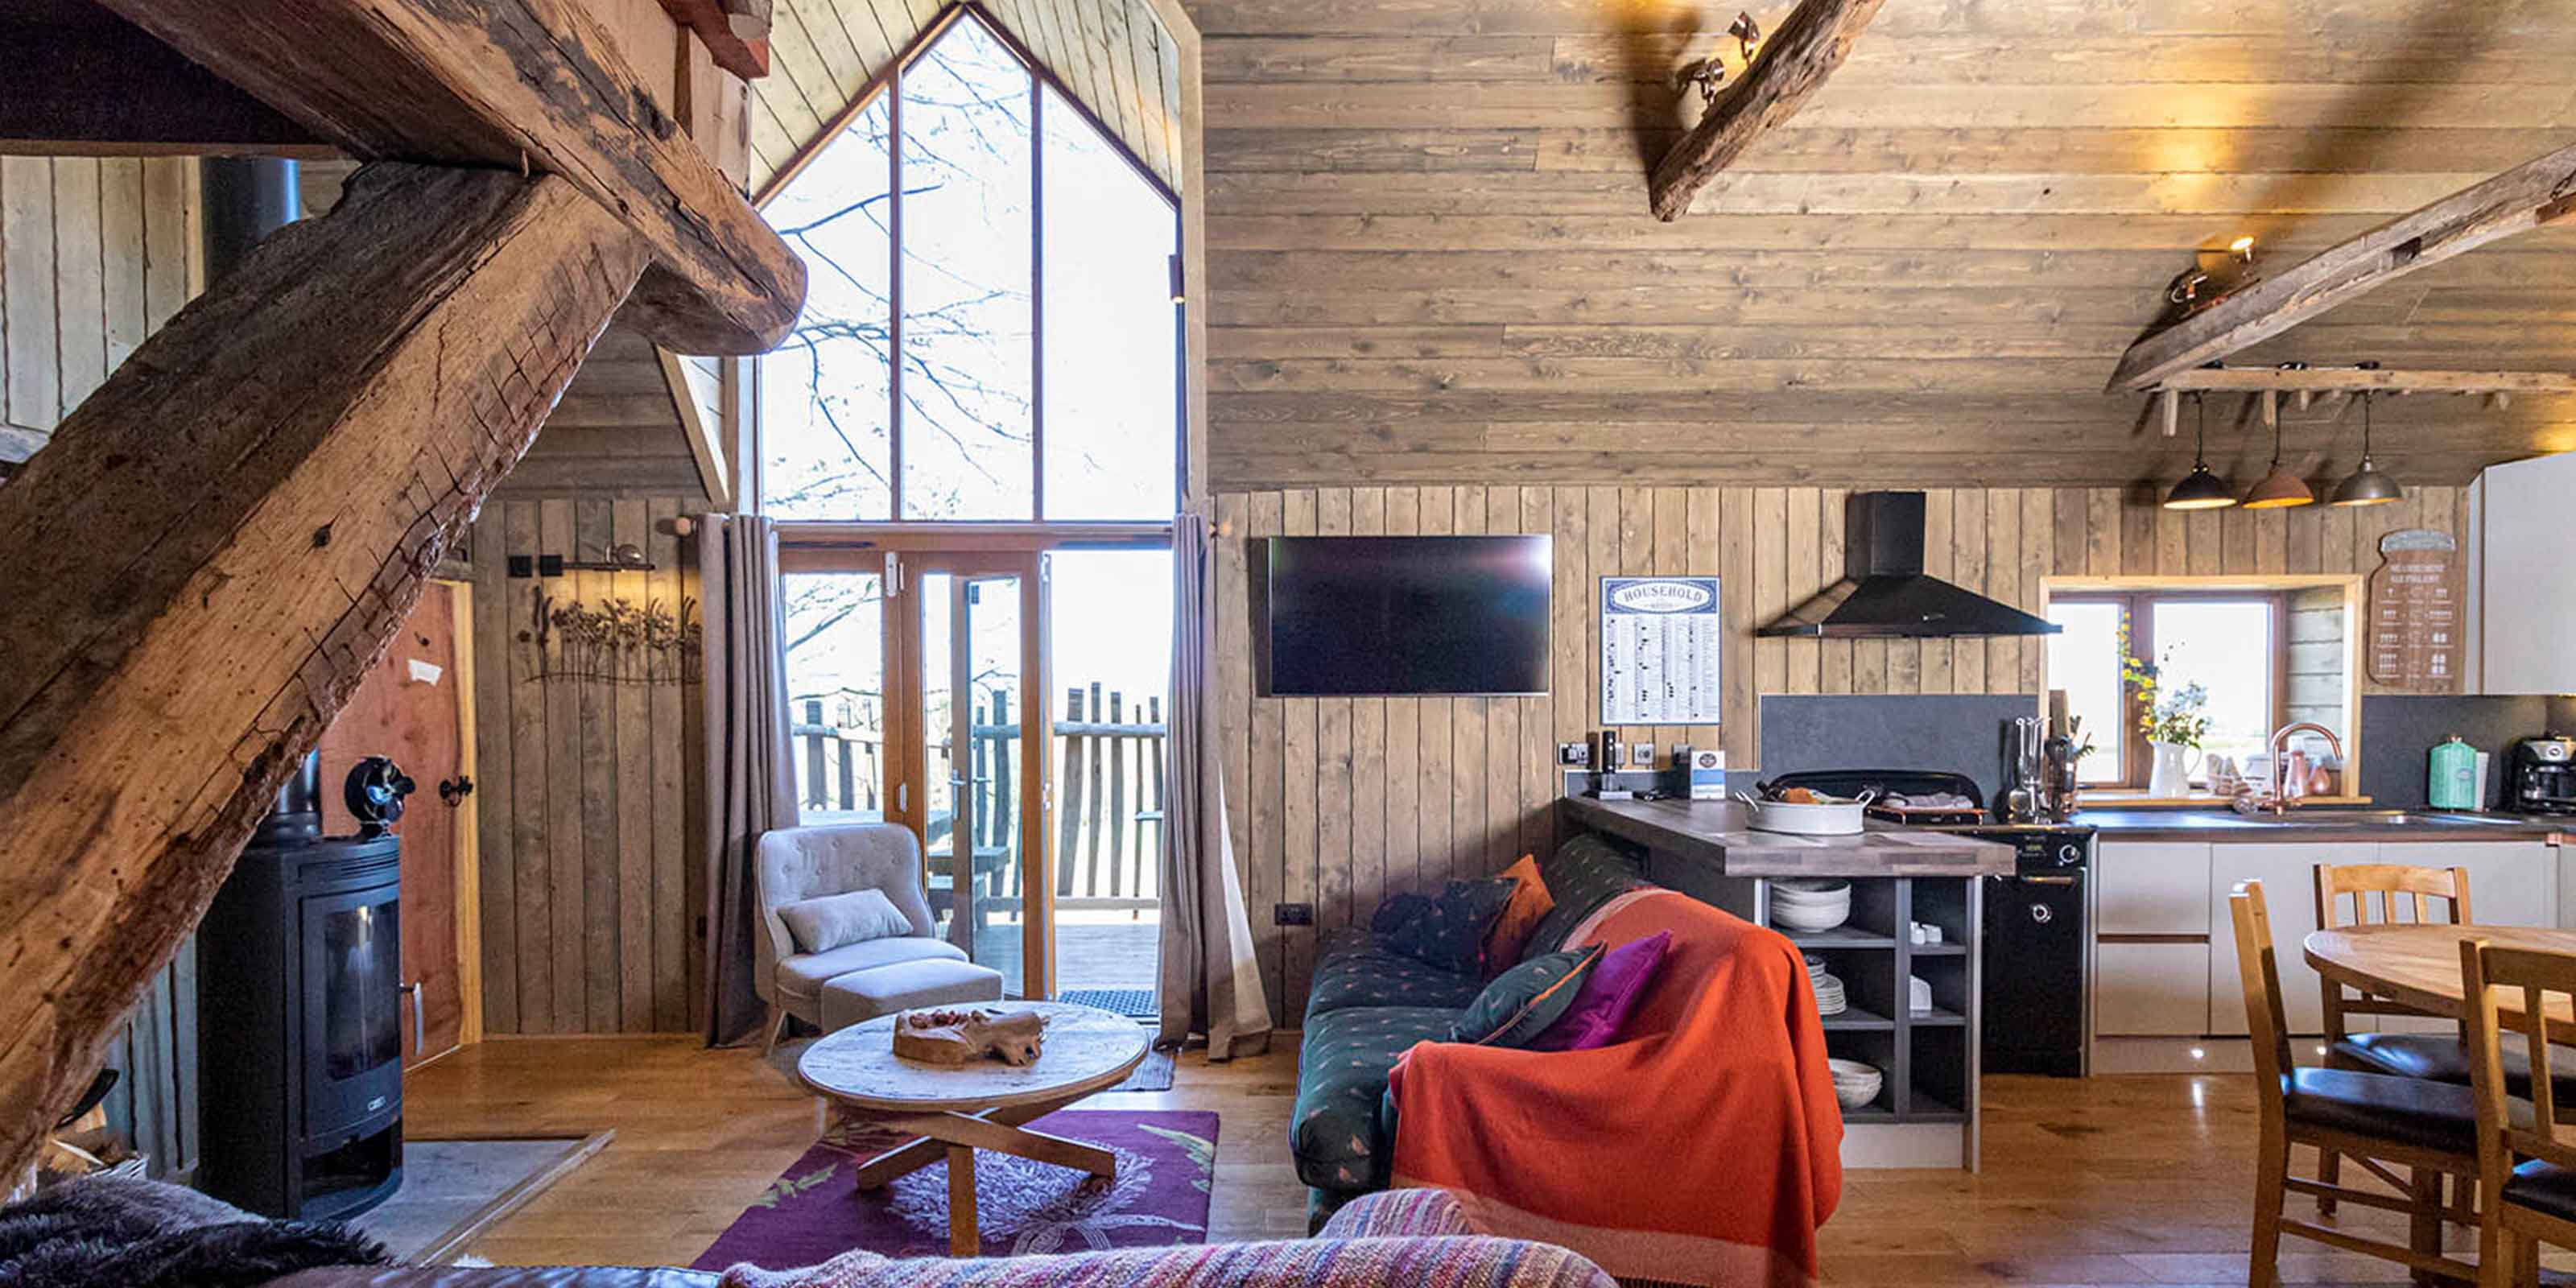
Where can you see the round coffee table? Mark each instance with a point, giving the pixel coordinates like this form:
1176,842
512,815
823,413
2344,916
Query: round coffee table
956,1110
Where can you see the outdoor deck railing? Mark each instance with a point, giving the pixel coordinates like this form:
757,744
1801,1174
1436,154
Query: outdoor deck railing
1108,799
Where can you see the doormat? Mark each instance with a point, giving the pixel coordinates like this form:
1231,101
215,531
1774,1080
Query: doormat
1134,1003
1166,1165
455,1190
1155,1074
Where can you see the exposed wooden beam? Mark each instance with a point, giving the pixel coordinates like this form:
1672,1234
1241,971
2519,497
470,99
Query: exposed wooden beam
706,444
518,84
2315,380
106,88
735,32
2537,192
1806,48
218,543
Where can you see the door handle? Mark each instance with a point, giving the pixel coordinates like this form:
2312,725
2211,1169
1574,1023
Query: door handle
419,1031
2038,880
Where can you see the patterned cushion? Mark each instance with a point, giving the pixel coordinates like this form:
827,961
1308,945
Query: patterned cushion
1456,1261
1449,931
1523,1001
1582,875
1341,1072
1530,901
1354,968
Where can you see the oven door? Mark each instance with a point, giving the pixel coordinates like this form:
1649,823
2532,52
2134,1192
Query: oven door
2034,974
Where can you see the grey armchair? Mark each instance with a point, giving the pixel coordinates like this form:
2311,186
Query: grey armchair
860,981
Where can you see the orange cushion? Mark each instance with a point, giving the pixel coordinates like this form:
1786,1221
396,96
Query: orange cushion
1530,901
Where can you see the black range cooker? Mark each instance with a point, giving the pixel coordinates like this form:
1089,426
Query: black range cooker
2034,964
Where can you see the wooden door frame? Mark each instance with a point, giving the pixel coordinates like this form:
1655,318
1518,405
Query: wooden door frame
469,847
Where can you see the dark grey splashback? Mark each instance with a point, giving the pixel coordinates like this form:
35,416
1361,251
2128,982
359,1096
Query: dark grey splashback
1963,733
2398,729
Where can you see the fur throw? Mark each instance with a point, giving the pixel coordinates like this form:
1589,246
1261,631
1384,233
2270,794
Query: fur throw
105,1230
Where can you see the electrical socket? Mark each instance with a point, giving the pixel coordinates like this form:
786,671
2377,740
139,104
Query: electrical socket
1293,914
1643,754
1574,753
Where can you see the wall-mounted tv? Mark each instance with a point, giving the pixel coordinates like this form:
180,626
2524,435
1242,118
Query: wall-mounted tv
1379,616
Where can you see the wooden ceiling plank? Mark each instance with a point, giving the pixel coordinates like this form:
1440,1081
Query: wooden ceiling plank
1806,48
208,556
111,89
518,84
2538,192
849,67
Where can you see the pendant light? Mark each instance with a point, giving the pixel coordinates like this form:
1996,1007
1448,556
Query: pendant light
2200,489
2367,486
2279,489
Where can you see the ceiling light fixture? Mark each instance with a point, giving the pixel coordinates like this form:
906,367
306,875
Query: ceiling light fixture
2200,489
2367,486
2280,489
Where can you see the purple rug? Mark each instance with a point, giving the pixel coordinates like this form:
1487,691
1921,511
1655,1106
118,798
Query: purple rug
1166,1160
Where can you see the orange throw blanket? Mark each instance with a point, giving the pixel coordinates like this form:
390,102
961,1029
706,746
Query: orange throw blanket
1704,1150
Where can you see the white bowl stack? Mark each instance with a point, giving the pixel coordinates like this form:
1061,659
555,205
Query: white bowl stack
1829,990
1810,903
1855,1084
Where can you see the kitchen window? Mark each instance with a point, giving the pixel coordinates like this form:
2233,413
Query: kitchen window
2242,647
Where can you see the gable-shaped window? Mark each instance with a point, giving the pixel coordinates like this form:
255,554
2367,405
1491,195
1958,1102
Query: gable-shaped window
990,329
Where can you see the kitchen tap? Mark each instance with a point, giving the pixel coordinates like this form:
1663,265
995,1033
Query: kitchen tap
2278,800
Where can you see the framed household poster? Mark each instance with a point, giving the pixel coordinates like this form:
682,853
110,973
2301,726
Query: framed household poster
1660,642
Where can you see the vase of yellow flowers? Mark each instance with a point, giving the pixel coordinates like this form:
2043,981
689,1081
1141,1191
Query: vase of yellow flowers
2173,717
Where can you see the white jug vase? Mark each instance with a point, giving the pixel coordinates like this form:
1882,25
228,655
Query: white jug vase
2170,776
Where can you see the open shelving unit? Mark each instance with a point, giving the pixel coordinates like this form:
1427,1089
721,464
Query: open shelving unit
1929,1058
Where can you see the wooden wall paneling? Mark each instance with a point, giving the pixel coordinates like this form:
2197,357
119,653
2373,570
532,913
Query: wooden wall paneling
1569,643
1833,657
593,532
567,835
174,266
1334,762
1770,588
1299,807
1406,868
1467,725
495,787
632,799
671,850
1968,658
27,312
2003,583
1539,728
1266,796
122,238
2204,533
1367,881
2105,531
1940,658
1704,539
1438,750
1803,537
2039,558
1503,749
80,283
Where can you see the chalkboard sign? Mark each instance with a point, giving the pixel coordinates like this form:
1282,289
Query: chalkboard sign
2415,625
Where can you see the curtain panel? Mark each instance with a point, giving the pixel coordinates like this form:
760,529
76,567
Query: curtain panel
750,788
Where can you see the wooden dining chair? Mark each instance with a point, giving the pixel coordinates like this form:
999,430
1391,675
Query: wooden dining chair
2428,1129
2422,894
2526,1176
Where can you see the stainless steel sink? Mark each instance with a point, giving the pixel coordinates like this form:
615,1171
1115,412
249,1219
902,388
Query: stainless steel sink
2328,816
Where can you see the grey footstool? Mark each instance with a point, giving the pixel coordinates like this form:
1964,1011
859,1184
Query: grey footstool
863,995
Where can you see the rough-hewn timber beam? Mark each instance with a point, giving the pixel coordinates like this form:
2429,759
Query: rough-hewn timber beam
2537,192
735,33
2317,380
518,84
104,88
1806,48
216,545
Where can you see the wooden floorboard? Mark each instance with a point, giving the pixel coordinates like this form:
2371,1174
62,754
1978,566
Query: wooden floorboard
2108,1181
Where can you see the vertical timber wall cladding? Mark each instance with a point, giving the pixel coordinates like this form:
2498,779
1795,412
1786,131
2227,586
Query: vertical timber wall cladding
588,745
94,256
1339,802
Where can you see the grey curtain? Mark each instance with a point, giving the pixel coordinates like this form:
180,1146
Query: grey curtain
1211,982
750,788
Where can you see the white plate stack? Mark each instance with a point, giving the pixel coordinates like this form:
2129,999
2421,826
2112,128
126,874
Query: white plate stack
1810,903
1829,990
1855,1084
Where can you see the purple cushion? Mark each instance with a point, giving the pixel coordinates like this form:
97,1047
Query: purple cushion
1601,1009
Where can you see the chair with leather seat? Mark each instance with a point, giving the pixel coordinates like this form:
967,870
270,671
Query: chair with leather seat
2428,1130
2526,1176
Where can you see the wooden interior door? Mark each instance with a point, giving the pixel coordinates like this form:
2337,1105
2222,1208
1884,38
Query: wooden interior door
413,708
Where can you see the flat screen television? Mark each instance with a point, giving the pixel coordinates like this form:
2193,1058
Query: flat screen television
1383,616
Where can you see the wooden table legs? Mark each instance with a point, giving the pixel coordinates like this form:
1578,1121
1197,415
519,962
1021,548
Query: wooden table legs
955,1137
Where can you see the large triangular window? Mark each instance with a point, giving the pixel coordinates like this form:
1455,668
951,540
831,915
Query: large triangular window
990,330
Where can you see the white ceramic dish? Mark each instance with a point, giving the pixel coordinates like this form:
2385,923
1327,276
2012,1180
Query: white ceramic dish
1842,818
1855,1084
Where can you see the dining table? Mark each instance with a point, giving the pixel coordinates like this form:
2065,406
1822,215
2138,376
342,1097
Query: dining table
2419,964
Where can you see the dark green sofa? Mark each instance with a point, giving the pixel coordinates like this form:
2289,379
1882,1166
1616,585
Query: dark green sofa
1368,1005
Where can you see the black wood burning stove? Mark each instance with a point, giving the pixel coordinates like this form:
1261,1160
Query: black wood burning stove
299,1031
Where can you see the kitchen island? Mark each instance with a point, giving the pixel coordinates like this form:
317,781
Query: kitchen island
1926,1114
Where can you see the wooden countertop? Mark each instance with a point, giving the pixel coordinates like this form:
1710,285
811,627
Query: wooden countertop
1715,833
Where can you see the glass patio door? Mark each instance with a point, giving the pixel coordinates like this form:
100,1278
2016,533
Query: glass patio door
965,781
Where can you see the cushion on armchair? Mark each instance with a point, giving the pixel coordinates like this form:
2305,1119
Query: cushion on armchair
1449,931
836,920
1609,994
1530,901
1582,875
1522,1002
804,975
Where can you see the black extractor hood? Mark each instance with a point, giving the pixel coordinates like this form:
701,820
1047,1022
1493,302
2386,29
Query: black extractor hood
1884,592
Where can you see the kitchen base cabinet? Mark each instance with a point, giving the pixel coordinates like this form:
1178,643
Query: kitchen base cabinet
2290,893
2151,989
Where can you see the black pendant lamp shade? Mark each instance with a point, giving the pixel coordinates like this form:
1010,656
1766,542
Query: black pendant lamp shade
2200,489
2367,486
